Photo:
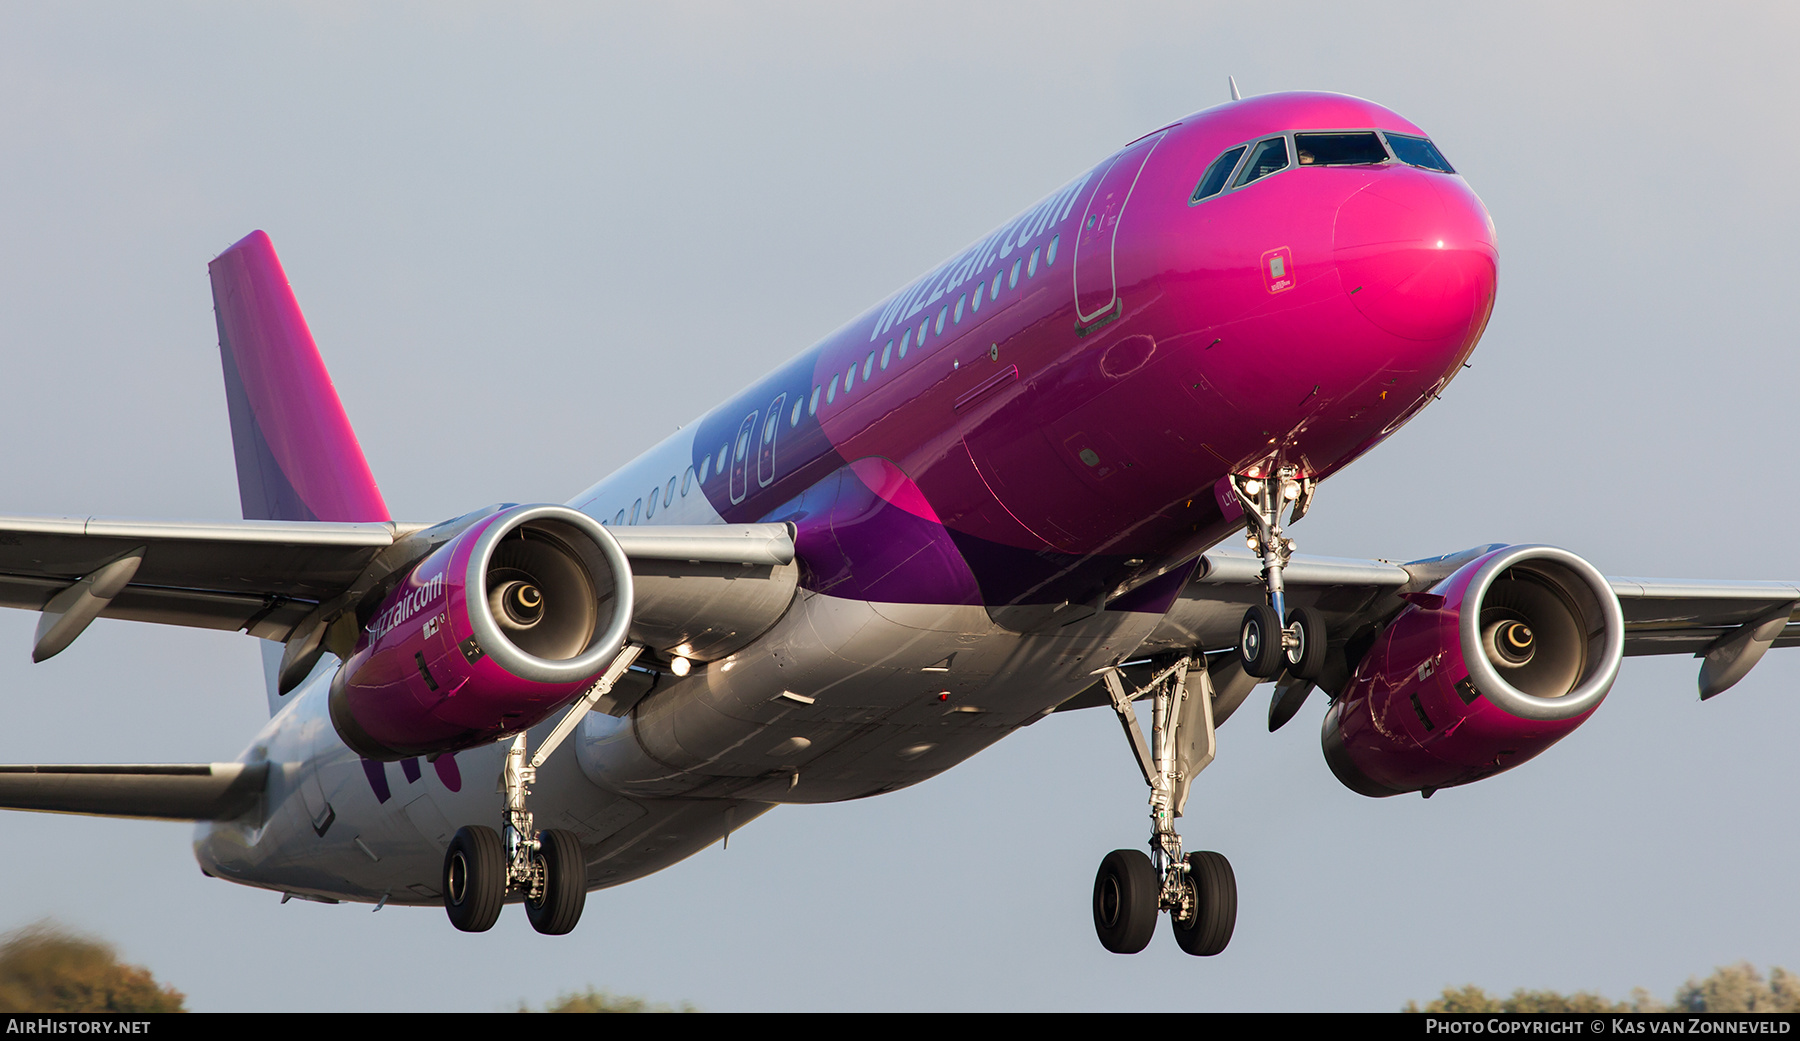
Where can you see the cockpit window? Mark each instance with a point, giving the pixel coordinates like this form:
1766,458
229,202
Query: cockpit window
1269,157
1417,151
1218,173
1357,149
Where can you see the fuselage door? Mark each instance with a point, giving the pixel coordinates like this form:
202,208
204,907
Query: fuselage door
1096,284
765,452
741,447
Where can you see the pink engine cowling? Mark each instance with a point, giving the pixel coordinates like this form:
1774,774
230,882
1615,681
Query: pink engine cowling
490,634
1493,665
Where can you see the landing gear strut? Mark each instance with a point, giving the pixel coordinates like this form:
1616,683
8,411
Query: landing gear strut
1271,638
546,868
1198,889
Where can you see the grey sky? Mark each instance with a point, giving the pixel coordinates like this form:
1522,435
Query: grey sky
592,224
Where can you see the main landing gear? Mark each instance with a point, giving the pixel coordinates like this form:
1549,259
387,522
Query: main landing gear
1198,890
1266,644
546,868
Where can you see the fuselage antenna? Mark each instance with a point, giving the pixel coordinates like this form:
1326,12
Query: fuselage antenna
1235,96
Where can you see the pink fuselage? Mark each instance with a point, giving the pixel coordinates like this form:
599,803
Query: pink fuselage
1062,441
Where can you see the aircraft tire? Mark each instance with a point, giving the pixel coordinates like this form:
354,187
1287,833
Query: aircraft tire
565,884
474,878
1259,642
1208,929
1125,901
1307,660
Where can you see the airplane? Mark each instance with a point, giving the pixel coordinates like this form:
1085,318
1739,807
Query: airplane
1005,490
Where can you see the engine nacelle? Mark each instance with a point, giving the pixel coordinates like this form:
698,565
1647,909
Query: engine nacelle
1493,665
490,634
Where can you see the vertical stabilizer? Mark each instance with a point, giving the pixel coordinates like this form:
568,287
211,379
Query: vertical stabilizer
297,458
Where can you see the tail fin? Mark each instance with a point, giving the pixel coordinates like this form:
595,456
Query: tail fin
297,458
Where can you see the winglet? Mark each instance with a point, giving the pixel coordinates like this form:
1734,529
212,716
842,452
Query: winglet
297,457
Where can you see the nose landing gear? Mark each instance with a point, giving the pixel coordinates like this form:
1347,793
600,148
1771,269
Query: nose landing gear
1272,638
1198,890
547,868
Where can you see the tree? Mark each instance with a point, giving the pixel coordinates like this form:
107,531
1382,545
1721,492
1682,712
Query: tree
45,968
1740,988
595,1000
1731,988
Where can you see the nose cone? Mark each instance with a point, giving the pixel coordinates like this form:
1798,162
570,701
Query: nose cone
1417,255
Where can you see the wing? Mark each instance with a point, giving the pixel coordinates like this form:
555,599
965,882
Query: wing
267,578
1727,624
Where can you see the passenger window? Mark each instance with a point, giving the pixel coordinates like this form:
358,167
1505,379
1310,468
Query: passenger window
922,327
994,288
719,464
849,377
886,353
960,301
1212,182
620,518
812,407
1361,149
1417,151
905,338
1031,265
1012,280
943,312
669,493
650,510
635,507
975,297
705,465
1270,156
868,366
687,481
794,419
831,395
1050,254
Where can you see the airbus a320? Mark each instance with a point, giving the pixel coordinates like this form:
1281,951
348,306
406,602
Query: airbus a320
1011,488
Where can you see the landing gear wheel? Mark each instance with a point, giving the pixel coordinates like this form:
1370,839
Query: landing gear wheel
1211,905
474,878
558,906
1305,659
1125,897
1259,642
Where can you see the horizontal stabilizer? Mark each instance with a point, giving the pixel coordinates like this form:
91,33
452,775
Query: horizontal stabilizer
164,791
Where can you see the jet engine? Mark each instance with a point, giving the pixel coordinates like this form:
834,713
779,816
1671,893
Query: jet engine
488,635
1488,668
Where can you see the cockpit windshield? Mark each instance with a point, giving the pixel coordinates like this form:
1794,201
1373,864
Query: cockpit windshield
1213,182
1417,151
1340,149
1270,156
1314,148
